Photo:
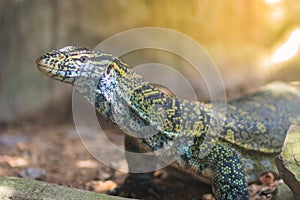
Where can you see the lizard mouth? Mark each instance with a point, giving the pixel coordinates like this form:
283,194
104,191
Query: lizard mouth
42,62
42,66
45,69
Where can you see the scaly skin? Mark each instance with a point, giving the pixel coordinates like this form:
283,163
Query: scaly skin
254,126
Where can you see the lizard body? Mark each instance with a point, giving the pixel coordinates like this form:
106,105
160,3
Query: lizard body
254,126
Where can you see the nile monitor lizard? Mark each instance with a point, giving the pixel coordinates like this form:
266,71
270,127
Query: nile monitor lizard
254,128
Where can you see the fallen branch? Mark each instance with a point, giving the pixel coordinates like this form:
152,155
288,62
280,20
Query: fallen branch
28,189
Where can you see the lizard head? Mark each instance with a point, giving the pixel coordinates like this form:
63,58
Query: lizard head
70,63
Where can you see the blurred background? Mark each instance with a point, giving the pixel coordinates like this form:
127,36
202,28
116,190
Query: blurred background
252,42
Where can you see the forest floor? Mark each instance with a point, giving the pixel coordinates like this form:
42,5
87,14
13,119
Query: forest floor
55,154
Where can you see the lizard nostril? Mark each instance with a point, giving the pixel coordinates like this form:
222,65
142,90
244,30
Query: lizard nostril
38,61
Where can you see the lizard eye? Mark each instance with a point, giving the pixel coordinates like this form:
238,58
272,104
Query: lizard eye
84,59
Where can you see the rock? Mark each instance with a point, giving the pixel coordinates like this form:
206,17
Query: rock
288,163
12,140
33,173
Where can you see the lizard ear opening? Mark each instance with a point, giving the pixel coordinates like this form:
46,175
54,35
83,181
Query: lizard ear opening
109,69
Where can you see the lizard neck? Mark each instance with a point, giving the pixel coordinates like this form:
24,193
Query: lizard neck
140,108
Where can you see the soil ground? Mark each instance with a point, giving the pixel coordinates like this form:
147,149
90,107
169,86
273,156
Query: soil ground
57,149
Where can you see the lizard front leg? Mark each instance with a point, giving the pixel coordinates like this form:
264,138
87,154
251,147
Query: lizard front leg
137,184
136,163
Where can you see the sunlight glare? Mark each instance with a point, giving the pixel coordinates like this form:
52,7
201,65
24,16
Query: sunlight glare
272,1
87,164
289,49
14,161
9,190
